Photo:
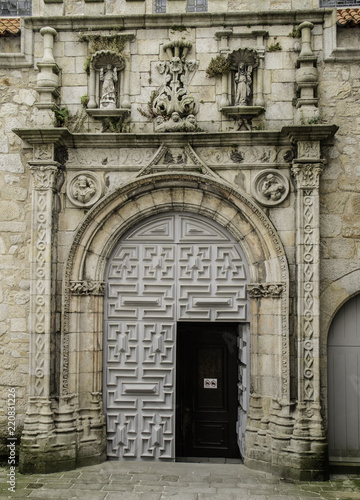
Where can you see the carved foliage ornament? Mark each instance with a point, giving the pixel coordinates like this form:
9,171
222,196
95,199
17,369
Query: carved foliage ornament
87,287
259,290
270,187
307,175
174,107
85,189
47,177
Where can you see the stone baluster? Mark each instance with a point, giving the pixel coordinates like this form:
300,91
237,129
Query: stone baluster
306,79
47,80
92,87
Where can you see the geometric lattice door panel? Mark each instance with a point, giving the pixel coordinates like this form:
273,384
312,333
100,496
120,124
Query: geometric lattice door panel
172,268
344,384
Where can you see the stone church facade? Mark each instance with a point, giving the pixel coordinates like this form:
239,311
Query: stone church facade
180,194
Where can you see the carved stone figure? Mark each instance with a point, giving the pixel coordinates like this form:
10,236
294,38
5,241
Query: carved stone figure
109,78
242,64
243,80
85,189
272,188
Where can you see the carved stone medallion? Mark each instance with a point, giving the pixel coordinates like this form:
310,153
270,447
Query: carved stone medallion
270,187
85,189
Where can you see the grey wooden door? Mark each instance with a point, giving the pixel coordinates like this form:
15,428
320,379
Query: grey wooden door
344,383
171,268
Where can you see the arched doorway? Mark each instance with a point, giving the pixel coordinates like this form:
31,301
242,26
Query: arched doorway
344,384
176,282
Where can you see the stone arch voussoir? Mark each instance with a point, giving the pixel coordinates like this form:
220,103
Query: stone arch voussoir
150,195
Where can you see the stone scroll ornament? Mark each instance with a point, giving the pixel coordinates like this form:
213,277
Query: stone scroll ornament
174,107
242,63
270,187
85,189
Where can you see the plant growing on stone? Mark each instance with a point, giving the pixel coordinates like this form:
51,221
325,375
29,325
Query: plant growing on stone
295,33
62,116
117,125
276,46
218,66
149,113
84,100
74,123
178,27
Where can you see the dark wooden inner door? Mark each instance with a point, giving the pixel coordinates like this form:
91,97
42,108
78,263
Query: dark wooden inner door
207,399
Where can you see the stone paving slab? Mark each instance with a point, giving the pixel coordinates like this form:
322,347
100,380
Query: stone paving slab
173,481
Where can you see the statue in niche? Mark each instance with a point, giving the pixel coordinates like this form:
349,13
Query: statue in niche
272,189
109,78
242,64
243,80
84,189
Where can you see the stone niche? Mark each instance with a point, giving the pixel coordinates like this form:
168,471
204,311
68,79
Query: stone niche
108,84
241,100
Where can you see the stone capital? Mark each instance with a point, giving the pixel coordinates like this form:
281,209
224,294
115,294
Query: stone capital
46,175
307,175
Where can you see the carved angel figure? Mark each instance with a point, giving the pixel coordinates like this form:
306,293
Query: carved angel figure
109,77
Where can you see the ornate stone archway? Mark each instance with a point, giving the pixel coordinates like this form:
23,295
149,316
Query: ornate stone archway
76,422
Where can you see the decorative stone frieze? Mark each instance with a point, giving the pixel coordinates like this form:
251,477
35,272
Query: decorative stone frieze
257,290
270,187
174,159
85,189
87,287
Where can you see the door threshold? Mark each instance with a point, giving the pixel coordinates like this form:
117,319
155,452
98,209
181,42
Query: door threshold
206,460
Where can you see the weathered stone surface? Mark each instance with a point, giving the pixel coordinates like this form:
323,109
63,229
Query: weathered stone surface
11,163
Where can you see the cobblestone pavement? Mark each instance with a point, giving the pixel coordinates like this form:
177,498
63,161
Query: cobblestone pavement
175,481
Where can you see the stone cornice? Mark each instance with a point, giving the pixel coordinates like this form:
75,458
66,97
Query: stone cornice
196,139
310,132
43,135
203,20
